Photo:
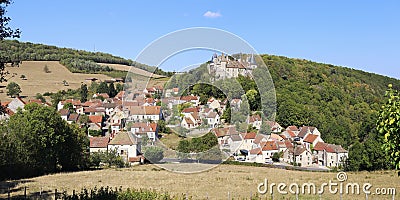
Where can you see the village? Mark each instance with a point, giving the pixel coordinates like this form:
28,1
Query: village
130,121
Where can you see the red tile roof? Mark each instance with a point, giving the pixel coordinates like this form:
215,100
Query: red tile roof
190,110
270,145
96,118
320,146
99,142
256,151
310,138
250,135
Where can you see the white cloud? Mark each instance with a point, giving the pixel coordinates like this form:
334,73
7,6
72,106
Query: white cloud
210,14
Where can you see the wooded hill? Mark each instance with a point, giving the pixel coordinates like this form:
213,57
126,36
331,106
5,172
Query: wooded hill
341,102
74,60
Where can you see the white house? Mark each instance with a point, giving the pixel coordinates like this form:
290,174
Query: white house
145,128
213,119
126,144
254,120
142,113
98,144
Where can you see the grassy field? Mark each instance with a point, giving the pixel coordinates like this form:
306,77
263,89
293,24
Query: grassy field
39,81
239,181
132,69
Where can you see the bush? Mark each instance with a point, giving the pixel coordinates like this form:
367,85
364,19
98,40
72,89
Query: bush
154,154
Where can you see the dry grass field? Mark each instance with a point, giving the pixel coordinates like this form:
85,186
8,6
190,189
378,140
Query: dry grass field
39,81
133,70
239,181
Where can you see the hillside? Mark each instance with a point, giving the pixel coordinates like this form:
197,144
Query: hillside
14,51
38,81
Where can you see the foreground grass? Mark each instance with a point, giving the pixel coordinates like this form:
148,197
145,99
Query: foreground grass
221,182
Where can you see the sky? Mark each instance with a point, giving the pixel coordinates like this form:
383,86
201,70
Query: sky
362,35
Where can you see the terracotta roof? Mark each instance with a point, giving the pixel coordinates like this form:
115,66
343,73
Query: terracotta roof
5,103
310,138
136,159
190,110
291,133
270,145
292,128
303,131
99,142
332,148
258,138
123,138
320,146
64,112
288,144
212,115
188,120
35,101
189,98
250,135
254,118
219,132
275,137
73,117
256,151
74,102
96,119
145,127
145,110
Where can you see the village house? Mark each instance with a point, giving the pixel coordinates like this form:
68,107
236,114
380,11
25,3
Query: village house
145,129
329,155
142,113
213,119
98,144
255,121
127,145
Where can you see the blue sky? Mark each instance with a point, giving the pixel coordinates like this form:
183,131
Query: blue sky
358,34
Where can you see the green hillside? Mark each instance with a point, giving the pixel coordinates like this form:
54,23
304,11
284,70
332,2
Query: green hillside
341,102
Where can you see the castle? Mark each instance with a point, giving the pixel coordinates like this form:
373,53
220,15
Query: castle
224,66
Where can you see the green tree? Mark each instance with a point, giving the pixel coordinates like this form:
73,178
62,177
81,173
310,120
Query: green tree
13,89
227,113
102,88
5,32
69,106
253,98
40,97
154,154
84,93
40,141
111,90
388,125
119,87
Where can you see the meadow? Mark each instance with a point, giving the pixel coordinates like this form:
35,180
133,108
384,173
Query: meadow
220,182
